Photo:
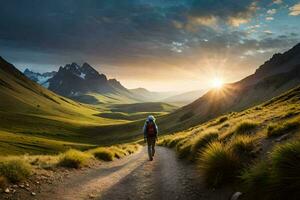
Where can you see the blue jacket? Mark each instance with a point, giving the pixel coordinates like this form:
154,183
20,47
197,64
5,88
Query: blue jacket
145,128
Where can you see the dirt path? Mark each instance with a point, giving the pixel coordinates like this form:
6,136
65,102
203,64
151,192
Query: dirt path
135,177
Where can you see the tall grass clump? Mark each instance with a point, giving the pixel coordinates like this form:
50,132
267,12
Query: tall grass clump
73,159
104,154
281,129
15,170
286,170
244,147
130,148
202,140
256,180
245,128
278,177
218,165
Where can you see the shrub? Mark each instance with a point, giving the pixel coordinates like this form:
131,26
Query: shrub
202,140
278,130
243,147
246,127
218,165
103,154
15,170
73,159
285,161
3,182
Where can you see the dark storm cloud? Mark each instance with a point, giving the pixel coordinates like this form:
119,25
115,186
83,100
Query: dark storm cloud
120,31
107,28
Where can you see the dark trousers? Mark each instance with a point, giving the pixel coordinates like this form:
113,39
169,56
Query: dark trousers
151,146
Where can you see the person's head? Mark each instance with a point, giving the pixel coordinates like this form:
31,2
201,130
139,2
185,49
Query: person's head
151,119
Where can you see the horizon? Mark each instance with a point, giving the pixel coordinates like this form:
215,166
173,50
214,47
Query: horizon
157,45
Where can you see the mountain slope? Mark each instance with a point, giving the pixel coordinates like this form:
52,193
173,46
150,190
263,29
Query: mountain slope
34,119
252,151
149,96
279,74
185,98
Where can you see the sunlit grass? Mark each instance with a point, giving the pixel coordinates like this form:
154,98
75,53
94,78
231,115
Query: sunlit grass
74,159
15,170
275,130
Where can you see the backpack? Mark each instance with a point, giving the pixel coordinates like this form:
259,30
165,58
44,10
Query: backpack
151,130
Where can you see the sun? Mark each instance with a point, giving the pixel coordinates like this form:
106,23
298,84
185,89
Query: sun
217,83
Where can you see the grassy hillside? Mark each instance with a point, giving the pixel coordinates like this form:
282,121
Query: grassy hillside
35,120
231,98
277,75
255,150
31,114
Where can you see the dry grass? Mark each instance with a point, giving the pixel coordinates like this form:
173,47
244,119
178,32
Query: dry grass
15,170
74,159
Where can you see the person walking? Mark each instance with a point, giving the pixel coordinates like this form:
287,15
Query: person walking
150,135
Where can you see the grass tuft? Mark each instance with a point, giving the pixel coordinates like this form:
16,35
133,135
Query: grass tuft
104,154
245,128
276,178
281,129
256,179
243,146
218,165
74,159
15,170
286,168
202,140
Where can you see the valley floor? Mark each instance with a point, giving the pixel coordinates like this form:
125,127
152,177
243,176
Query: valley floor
133,177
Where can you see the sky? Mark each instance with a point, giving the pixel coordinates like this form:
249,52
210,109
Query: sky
161,45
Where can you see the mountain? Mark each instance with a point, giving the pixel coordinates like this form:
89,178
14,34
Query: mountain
277,75
41,79
73,79
87,85
149,96
185,98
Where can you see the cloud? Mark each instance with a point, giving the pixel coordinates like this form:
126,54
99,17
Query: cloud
271,11
268,32
126,36
277,1
232,12
295,10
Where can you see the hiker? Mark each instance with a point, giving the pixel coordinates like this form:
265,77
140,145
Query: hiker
150,134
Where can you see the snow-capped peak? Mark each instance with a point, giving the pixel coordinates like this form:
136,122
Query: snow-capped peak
41,79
